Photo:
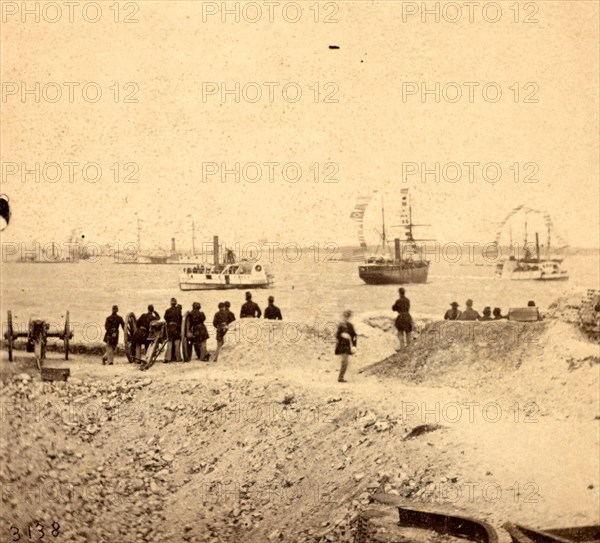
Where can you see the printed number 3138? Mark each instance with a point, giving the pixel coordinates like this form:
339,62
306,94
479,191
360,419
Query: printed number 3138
34,531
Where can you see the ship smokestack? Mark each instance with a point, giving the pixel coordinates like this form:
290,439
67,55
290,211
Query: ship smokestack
173,245
397,249
216,249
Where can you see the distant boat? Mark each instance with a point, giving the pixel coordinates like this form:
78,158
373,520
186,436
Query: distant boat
228,274
532,270
406,265
51,253
532,267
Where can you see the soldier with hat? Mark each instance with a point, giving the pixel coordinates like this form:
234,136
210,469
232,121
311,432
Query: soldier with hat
403,320
111,337
198,331
452,314
469,314
272,312
250,309
173,320
221,322
230,315
140,337
497,313
487,314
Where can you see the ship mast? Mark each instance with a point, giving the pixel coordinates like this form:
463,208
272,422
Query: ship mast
193,238
383,239
139,238
409,237
408,226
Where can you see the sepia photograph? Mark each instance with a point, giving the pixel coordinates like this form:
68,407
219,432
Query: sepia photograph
302,271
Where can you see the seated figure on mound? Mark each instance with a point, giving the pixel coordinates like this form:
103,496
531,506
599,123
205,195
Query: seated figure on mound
487,314
452,314
497,313
469,314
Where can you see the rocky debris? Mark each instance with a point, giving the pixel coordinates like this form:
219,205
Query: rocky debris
53,463
288,399
221,460
369,422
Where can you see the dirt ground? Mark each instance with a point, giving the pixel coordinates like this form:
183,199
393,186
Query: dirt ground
266,445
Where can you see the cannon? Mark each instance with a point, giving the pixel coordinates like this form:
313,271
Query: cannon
158,341
155,340
37,334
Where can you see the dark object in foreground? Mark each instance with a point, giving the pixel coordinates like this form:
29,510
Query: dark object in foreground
444,524
4,211
55,374
422,429
463,527
580,534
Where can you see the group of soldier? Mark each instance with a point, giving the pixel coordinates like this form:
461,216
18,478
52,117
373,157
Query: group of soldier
470,314
196,333
404,321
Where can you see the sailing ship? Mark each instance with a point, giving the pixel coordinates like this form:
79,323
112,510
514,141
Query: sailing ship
406,264
229,273
531,267
133,253
69,252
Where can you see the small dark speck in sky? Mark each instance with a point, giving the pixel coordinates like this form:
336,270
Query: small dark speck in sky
334,47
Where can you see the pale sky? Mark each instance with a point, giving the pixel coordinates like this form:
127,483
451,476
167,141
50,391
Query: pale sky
368,135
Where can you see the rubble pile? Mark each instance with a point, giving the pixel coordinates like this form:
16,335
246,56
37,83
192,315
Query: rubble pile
121,460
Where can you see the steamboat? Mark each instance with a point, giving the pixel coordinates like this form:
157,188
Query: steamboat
406,264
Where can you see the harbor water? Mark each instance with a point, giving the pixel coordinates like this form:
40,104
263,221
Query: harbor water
307,292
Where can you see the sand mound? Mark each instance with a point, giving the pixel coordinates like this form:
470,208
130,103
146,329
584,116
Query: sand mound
265,445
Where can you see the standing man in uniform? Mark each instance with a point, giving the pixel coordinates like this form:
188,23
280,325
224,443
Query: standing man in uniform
111,337
403,320
198,331
469,314
173,320
346,343
272,312
452,314
221,322
230,315
250,309
142,331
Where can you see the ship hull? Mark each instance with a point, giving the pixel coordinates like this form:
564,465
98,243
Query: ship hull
220,286
532,271
392,275
253,276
